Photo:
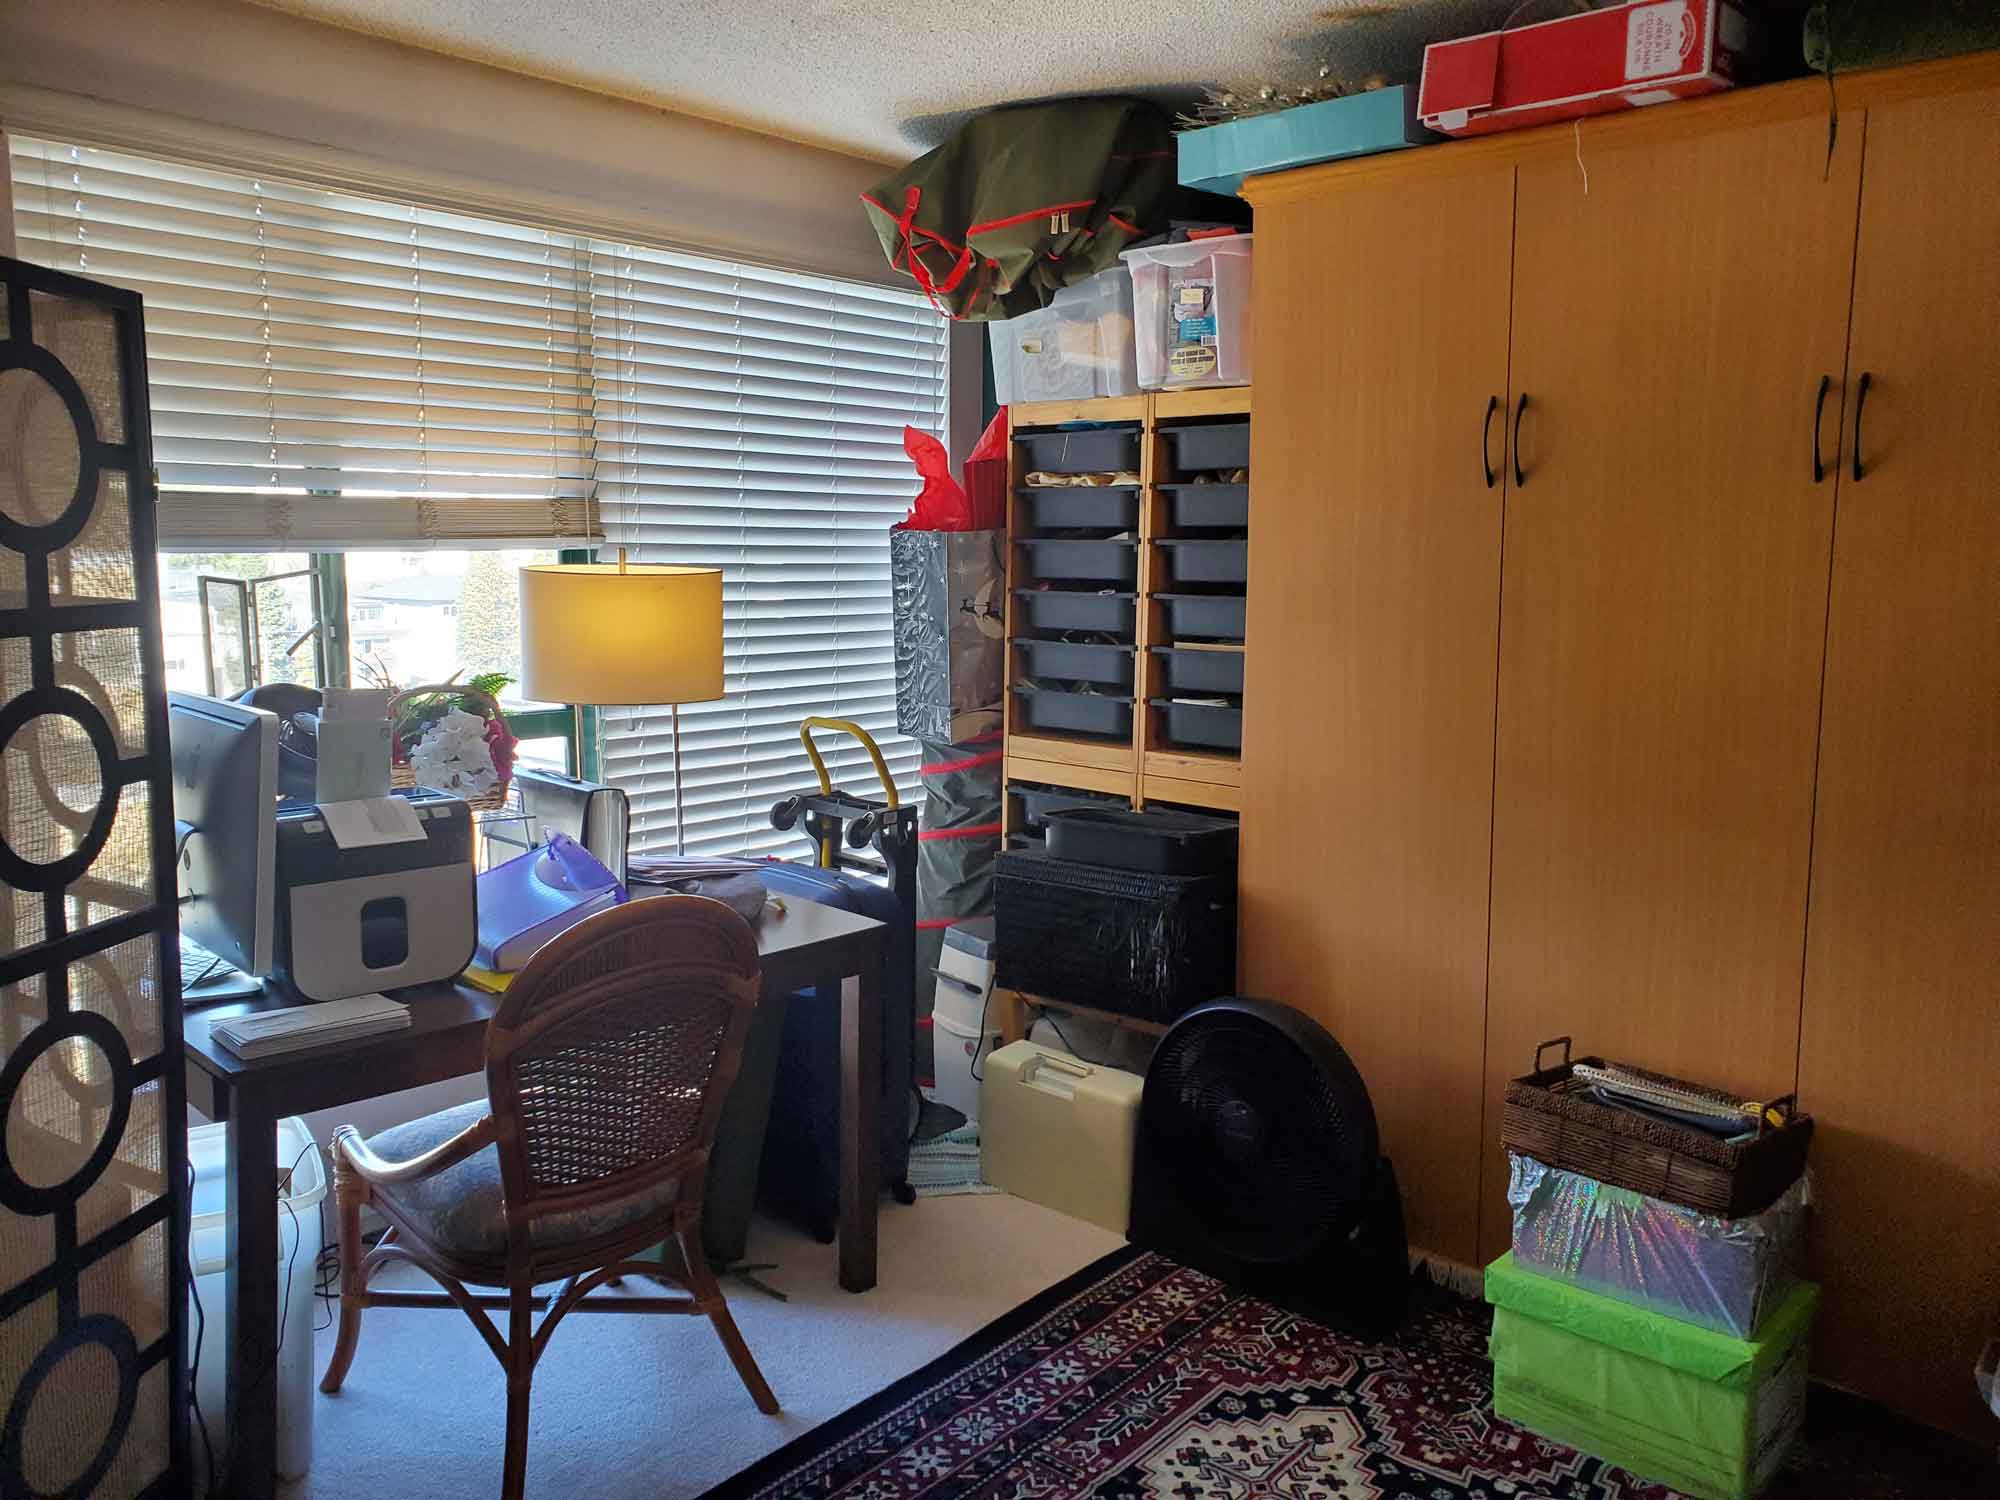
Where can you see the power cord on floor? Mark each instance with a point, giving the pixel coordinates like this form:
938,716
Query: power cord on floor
194,1358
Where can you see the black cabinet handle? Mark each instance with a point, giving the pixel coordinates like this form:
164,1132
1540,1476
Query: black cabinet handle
1520,479
1819,411
1860,402
1486,442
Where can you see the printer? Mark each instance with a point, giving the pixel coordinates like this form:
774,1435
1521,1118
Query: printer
376,917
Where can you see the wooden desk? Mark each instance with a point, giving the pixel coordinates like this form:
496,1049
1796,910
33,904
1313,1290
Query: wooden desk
804,945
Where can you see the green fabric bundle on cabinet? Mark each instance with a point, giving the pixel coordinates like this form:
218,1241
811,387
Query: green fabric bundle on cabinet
1845,34
1711,1415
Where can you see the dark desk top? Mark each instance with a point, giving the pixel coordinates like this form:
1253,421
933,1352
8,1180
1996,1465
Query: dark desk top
447,1030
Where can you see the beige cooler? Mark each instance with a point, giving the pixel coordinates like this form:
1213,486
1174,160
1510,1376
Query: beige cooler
1059,1131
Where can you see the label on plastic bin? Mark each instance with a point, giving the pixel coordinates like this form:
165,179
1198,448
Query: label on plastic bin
1657,37
1191,361
1198,330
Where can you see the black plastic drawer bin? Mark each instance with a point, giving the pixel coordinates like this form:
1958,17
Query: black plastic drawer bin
1085,561
1095,450
1074,661
1203,726
1193,561
1076,713
1084,508
1083,609
1201,672
1154,842
1038,802
1209,507
1209,447
1204,617
1150,946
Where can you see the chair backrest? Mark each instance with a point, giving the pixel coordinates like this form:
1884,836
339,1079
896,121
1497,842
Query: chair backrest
611,1053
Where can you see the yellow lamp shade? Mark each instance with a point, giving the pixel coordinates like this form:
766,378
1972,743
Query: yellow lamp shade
610,633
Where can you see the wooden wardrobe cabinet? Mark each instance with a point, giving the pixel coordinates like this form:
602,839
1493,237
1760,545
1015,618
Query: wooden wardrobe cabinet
1374,596
1680,733
1900,1053
1664,605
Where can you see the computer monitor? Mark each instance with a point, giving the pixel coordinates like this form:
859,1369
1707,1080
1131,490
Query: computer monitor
225,825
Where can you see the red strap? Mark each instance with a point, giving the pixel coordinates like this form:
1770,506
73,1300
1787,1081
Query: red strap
935,924
945,767
971,831
907,232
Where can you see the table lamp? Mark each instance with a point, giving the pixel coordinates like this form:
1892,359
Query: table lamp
610,634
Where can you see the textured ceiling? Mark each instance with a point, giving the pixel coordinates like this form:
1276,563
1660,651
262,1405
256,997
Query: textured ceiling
890,78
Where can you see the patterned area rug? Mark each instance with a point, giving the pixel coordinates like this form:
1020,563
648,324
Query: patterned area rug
1139,1379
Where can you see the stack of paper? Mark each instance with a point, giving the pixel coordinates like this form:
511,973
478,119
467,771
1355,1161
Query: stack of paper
265,1033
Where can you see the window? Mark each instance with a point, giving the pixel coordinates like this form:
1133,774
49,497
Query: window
753,420
331,371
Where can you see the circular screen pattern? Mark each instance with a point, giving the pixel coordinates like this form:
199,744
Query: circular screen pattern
64,784
48,485
87,1378
40,1170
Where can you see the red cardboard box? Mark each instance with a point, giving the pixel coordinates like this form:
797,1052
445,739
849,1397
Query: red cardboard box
1602,60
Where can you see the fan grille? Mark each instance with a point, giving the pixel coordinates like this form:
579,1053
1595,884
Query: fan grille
1266,1126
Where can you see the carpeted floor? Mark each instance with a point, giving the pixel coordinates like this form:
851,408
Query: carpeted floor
647,1408
1138,1379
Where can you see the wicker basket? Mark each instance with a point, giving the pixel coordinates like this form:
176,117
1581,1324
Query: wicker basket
402,778
1551,1116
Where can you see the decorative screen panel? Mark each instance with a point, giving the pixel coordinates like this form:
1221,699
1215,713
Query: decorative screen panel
92,1117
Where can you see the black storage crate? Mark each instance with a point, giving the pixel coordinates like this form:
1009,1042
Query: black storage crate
1152,842
1201,672
1077,661
1149,946
1203,726
1204,617
1076,713
1209,507
1038,802
1094,450
1089,561
1210,446
1084,507
1193,560
1103,611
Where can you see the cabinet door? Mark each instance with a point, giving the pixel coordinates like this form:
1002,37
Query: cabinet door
1664,605
1373,606
1900,1057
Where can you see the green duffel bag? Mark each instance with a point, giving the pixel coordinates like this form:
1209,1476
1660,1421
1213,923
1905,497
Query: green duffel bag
1022,201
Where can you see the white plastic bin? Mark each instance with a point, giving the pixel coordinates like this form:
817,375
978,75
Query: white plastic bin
1191,313
298,1258
1077,348
963,1030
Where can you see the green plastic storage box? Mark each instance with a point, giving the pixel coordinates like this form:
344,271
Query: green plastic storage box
1708,1414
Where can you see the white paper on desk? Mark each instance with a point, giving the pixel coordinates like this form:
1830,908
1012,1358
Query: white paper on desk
353,760
370,821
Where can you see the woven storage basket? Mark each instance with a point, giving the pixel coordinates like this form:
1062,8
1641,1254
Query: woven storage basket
1551,1116
402,778
1148,946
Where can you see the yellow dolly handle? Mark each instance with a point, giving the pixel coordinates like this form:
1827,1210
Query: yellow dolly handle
846,726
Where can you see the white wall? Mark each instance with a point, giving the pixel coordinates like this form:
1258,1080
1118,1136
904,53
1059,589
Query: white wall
341,106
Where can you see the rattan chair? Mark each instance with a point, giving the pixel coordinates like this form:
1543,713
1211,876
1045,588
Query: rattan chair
607,1064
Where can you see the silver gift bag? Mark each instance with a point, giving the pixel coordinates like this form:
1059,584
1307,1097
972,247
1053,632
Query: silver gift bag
950,591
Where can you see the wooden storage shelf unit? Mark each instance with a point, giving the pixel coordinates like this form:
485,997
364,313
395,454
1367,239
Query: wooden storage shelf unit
1147,767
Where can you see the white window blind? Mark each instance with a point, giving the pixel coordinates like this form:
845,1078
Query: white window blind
753,420
330,370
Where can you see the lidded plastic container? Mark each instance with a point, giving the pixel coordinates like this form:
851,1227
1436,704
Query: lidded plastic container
1191,313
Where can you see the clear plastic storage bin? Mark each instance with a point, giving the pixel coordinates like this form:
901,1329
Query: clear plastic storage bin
298,1261
1077,348
1191,313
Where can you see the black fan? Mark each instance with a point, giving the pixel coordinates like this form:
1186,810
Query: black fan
1257,1162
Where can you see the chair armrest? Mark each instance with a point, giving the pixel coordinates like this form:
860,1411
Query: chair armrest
351,1151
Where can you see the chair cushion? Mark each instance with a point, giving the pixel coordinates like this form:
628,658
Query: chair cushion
462,1210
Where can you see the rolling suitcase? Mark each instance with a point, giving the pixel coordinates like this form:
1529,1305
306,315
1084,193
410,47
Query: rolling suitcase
800,1175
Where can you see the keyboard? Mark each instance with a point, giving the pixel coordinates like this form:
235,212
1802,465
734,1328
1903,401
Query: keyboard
292,1028
199,966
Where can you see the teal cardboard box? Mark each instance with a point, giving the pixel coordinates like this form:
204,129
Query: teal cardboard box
1217,159
1710,1415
